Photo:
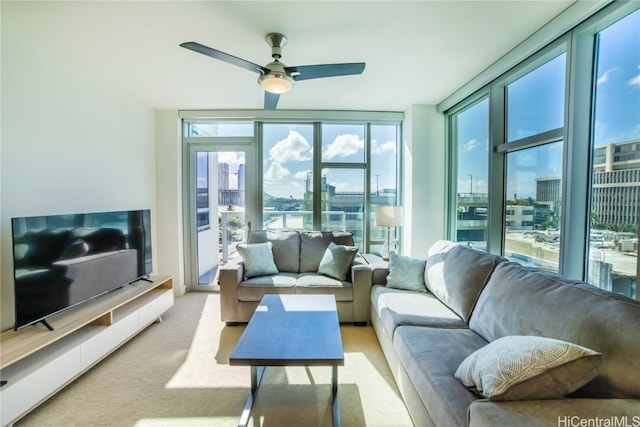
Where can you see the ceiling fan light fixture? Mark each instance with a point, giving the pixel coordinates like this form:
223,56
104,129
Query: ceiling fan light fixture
276,82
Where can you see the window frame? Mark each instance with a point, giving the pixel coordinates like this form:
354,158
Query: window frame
451,135
317,118
577,136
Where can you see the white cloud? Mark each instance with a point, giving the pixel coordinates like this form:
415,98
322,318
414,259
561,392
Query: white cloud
635,81
605,76
230,157
301,175
343,146
470,145
293,148
386,147
343,186
276,172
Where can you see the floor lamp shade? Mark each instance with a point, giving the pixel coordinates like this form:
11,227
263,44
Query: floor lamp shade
388,216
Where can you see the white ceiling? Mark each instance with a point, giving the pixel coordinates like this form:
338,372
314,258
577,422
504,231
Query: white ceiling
417,52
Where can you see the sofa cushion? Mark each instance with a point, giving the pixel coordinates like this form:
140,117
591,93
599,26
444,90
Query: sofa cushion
520,367
314,243
406,273
430,356
554,412
526,301
397,307
337,260
286,247
257,259
255,288
456,275
313,283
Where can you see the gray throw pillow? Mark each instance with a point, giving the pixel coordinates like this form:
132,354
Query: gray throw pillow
257,259
523,367
337,260
406,273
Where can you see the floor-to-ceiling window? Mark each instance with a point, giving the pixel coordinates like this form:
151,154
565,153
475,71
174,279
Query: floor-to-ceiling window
564,154
384,160
216,176
324,175
287,176
469,128
343,166
615,159
313,171
533,146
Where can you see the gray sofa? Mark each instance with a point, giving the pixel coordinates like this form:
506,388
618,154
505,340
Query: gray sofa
474,299
297,256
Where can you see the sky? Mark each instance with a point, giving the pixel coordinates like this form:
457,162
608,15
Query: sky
539,107
288,157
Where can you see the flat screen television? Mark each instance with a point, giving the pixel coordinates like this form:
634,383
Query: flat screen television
60,261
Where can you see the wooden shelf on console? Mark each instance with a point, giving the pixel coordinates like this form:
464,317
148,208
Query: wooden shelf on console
37,362
16,345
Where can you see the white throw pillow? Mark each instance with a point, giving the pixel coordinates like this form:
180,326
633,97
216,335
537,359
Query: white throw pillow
257,259
522,367
337,260
406,273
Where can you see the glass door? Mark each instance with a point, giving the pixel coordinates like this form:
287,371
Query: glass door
220,199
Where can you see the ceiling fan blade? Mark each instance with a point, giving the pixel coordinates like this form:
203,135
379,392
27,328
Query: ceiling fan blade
271,100
307,72
234,60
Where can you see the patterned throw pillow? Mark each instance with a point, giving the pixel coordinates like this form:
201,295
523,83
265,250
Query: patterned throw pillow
337,260
528,367
257,259
406,273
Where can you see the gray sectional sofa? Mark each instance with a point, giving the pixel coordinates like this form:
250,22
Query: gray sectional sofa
297,256
471,300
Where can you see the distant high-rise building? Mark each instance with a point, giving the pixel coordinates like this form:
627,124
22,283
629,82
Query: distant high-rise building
226,194
546,208
615,199
223,176
548,190
241,177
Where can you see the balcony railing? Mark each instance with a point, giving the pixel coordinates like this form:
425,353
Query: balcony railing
231,233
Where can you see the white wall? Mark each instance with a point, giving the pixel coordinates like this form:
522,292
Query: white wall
69,143
424,179
169,242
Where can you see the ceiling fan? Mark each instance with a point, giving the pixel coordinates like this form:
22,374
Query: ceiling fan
275,77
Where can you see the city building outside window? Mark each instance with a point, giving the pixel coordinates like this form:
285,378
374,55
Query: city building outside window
564,138
615,162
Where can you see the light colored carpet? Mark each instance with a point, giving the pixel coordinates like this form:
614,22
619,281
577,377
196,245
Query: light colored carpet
177,373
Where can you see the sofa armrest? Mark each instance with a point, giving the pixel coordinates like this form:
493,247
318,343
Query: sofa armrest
379,274
229,276
361,280
554,412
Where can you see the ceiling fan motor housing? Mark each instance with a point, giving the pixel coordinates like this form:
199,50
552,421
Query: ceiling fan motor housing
277,41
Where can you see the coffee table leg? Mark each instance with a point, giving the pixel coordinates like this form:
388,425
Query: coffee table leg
256,376
334,396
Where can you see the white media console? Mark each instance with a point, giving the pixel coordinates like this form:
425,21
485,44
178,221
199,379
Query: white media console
36,362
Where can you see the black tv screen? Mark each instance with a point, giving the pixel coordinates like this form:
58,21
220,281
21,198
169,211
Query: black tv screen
60,261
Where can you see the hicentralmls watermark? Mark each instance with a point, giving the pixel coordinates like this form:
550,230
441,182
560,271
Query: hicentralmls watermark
612,421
